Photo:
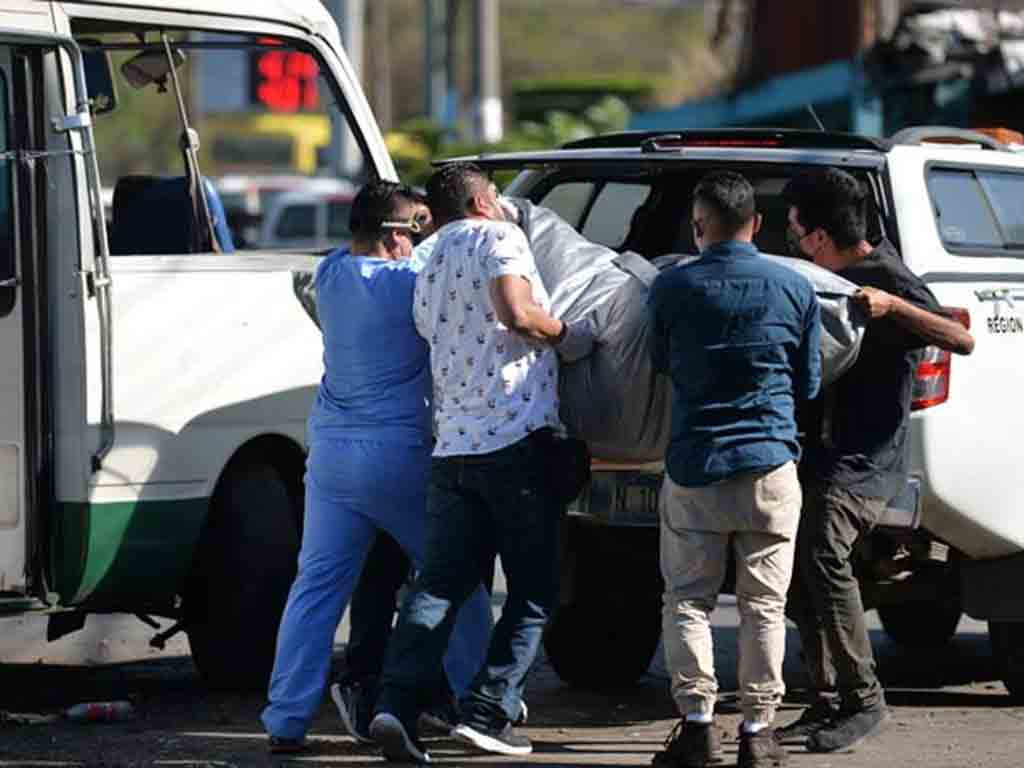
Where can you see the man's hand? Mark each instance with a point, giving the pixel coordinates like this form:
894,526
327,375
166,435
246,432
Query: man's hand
874,302
929,327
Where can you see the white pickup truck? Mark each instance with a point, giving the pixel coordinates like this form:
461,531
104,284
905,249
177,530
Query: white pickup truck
953,203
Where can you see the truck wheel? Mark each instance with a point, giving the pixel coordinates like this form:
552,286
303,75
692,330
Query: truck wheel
245,564
924,624
1007,640
606,642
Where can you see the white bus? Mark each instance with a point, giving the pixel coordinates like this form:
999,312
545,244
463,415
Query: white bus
155,382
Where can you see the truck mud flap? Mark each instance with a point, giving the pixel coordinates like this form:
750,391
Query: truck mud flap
991,588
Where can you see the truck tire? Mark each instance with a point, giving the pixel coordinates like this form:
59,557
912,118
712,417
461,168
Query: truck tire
606,642
922,624
245,564
1007,640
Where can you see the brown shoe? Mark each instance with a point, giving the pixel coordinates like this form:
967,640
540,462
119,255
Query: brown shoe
760,750
279,745
690,745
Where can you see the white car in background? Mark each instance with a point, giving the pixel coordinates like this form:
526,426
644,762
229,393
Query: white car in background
248,198
308,220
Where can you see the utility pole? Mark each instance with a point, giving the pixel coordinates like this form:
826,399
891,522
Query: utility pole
436,59
346,156
380,57
452,102
487,109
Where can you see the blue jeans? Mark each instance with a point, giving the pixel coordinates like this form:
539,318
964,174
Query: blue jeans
354,488
497,503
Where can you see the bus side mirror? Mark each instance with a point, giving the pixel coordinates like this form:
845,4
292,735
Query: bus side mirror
99,80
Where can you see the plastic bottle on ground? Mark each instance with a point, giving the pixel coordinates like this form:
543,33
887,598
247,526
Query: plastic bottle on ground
101,711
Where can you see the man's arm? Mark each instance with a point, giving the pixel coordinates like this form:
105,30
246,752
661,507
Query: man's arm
930,327
515,307
508,264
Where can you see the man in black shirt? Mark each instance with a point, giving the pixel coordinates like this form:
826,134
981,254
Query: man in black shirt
856,451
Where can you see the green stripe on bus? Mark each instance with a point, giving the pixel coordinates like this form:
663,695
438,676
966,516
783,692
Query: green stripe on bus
124,556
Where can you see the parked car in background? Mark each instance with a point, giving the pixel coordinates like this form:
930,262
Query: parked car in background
309,220
248,198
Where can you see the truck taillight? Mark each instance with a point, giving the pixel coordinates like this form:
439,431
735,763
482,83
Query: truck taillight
931,384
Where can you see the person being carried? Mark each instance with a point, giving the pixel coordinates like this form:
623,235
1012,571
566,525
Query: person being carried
369,451
482,307
857,452
739,336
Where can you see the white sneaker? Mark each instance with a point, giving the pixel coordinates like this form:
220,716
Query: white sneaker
502,742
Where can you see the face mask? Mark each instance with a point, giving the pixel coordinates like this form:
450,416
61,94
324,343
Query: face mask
794,244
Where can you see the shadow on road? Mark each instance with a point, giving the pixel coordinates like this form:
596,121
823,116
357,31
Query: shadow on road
180,722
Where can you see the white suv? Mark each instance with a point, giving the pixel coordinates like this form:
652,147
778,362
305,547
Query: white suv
953,203
309,220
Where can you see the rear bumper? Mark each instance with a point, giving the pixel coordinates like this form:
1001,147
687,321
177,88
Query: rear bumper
627,497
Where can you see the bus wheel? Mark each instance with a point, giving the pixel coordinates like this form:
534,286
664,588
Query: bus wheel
244,567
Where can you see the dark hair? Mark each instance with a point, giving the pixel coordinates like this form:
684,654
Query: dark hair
831,200
730,198
375,203
451,188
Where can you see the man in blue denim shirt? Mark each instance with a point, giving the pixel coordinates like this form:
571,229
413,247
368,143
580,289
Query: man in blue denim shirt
739,336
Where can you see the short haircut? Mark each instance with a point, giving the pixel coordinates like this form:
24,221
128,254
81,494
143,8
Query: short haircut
451,189
375,203
729,196
832,200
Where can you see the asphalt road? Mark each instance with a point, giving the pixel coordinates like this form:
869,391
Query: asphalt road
950,710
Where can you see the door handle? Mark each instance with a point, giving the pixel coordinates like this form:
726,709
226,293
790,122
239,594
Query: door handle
10,282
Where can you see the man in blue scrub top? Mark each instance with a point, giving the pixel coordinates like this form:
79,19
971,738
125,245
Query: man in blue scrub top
369,455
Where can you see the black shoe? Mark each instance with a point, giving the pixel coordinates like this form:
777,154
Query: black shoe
279,745
355,708
396,741
814,718
847,731
501,741
760,750
690,745
441,716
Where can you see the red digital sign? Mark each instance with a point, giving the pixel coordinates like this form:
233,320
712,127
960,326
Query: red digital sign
283,80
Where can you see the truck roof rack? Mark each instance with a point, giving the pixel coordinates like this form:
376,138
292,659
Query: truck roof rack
782,138
941,134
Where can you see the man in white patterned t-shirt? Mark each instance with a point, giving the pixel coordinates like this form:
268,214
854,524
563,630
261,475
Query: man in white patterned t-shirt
494,350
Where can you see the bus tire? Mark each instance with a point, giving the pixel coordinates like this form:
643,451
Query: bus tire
245,564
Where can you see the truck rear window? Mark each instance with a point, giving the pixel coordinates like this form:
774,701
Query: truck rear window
979,211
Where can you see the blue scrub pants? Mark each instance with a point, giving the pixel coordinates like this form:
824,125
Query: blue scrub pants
353,489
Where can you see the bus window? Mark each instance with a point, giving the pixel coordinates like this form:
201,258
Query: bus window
264,115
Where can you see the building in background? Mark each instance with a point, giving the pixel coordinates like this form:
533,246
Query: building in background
867,66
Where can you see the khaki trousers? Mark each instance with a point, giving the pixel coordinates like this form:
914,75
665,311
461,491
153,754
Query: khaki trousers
756,513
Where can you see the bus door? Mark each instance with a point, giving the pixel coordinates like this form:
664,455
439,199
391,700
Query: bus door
13,384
